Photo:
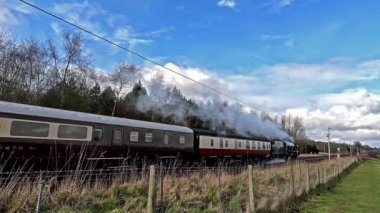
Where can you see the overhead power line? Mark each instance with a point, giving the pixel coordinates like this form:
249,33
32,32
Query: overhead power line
139,55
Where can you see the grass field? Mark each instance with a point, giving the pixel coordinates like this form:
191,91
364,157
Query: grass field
358,192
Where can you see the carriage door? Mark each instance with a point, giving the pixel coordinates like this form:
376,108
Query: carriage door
166,141
117,139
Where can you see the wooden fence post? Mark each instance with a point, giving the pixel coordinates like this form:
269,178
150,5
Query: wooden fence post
299,166
219,172
307,179
39,198
251,192
318,176
292,178
151,192
161,190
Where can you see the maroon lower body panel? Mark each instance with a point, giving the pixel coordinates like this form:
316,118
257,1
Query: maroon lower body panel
232,152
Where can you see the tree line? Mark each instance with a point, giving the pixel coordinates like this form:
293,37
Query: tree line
62,75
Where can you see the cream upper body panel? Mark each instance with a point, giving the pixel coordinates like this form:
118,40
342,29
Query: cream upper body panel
53,130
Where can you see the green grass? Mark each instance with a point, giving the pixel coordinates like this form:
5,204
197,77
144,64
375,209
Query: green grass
358,192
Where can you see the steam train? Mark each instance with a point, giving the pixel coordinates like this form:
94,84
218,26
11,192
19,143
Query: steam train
28,131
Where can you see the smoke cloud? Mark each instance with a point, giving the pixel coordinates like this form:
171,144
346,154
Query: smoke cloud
165,97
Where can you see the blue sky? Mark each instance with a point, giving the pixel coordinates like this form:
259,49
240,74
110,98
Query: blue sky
307,57
227,39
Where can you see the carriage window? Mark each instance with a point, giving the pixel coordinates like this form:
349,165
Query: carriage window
236,144
221,143
117,136
32,129
148,137
226,143
247,145
134,136
181,139
72,132
239,144
98,134
166,139
212,142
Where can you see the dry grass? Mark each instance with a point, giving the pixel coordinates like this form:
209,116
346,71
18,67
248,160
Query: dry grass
204,191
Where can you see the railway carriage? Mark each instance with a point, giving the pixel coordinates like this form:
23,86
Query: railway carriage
214,144
38,132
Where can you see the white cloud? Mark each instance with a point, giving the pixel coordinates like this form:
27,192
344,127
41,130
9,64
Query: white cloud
189,88
133,42
84,14
286,85
284,3
327,75
93,18
7,18
227,3
159,31
128,36
56,27
353,114
23,8
123,33
285,40
276,5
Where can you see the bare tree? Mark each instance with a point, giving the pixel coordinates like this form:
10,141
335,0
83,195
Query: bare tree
22,68
293,126
124,75
74,64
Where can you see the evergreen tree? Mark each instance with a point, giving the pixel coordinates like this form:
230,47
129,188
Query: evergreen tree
95,99
106,101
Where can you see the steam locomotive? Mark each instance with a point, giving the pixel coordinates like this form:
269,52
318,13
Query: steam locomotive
28,131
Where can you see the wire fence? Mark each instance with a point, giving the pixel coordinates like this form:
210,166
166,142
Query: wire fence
160,189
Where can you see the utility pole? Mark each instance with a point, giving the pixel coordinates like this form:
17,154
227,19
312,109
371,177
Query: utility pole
357,150
328,141
350,147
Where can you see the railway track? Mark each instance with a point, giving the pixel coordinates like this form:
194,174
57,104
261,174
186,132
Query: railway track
315,158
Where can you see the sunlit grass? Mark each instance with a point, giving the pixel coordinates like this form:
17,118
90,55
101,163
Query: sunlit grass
358,192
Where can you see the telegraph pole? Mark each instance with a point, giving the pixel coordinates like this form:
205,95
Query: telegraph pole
350,147
328,141
357,150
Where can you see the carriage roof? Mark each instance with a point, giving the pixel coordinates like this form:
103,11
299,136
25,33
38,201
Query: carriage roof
30,110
